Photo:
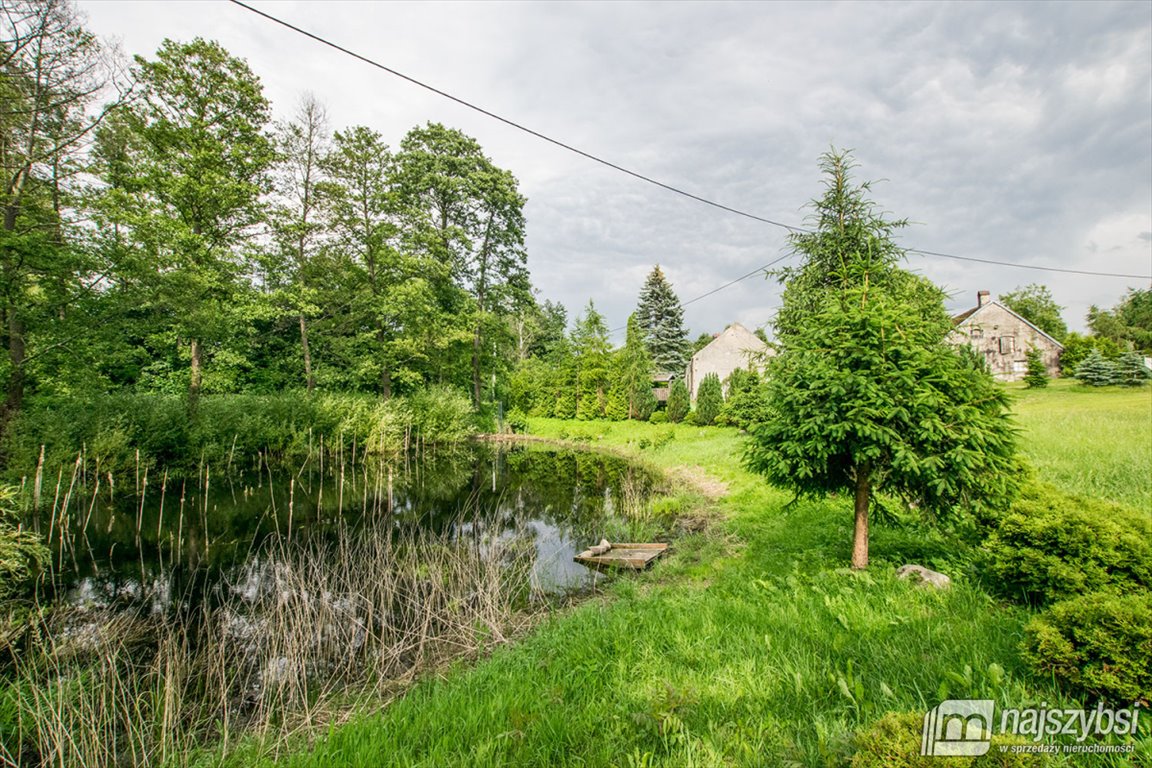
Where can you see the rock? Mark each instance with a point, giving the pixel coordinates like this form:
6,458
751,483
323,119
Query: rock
924,576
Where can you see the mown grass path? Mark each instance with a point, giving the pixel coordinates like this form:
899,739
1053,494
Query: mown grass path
749,646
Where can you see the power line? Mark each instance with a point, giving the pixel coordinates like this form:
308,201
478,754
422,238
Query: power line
636,174
920,252
513,123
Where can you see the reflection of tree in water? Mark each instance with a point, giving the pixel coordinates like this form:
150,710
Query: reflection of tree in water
556,498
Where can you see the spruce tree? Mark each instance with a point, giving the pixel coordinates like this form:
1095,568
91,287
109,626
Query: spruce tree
661,318
1131,371
709,400
1096,371
1037,375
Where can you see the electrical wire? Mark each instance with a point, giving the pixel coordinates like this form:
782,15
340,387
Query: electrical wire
635,174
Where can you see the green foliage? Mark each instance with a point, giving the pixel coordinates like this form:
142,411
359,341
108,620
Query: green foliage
631,395
22,553
660,318
1035,304
709,400
894,741
1131,371
1129,323
866,395
1052,546
590,347
747,402
1096,371
1077,347
231,429
1037,374
678,401
658,417
1098,644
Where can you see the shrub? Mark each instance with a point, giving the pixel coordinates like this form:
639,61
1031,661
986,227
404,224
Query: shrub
709,400
658,417
1037,375
747,402
1096,371
678,402
517,422
1098,644
893,741
1053,546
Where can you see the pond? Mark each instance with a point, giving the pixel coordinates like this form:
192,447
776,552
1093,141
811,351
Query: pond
164,544
189,612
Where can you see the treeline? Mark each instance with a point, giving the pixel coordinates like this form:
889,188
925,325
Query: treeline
177,240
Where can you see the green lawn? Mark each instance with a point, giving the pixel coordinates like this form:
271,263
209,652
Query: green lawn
1096,442
751,645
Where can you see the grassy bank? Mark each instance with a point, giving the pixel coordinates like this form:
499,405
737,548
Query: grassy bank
750,645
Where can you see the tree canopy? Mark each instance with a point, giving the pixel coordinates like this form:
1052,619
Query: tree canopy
865,396
1035,304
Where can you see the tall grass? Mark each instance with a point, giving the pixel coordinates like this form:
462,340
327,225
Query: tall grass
319,627
1090,441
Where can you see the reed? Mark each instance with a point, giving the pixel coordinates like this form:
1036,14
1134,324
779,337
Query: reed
335,623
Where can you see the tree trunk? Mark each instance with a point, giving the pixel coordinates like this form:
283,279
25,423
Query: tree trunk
386,383
14,397
860,535
194,380
476,368
311,382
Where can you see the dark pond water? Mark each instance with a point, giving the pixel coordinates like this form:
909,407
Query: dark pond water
167,545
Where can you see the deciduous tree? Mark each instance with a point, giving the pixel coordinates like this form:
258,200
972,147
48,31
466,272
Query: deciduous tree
1035,304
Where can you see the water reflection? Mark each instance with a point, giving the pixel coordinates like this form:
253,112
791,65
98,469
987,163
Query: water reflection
180,544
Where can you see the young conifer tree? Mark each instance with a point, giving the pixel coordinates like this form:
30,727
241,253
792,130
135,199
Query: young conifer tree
1037,374
709,400
866,395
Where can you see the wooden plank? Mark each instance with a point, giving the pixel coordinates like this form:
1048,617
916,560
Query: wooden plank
627,555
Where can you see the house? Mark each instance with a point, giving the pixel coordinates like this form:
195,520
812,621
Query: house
736,347
1004,338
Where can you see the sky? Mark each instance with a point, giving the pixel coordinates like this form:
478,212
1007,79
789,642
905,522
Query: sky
1015,132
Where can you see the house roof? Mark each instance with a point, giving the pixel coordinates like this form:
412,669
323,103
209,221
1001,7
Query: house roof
964,317
748,340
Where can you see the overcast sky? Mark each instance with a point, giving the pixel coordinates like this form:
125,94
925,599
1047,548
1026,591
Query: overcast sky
1017,132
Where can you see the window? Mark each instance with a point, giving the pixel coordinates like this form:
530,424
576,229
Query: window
977,333
1007,345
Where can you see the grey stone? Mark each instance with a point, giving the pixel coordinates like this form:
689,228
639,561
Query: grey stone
924,576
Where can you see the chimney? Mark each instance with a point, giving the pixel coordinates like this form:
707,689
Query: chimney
982,298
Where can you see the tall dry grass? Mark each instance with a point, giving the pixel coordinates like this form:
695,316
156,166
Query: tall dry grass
315,628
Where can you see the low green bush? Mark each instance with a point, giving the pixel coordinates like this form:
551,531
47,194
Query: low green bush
1098,644
1052,546
658,417
894,741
